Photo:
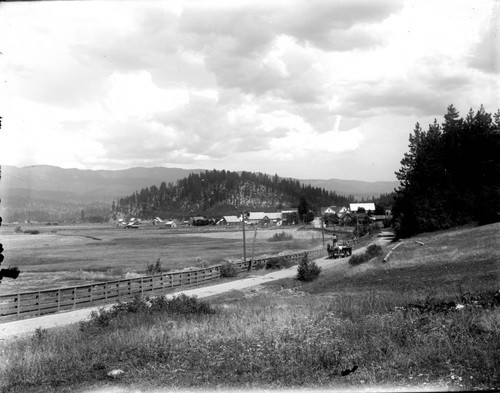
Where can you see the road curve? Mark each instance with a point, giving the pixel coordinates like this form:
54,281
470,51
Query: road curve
14,329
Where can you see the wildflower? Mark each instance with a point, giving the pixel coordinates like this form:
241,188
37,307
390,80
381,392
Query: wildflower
459,306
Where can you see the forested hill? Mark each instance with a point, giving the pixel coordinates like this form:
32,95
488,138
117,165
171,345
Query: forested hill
225,192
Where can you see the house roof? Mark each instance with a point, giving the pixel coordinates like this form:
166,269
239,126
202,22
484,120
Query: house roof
232,219
367,206
257,215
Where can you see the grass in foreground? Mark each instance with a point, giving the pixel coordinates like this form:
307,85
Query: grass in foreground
264,342
293,335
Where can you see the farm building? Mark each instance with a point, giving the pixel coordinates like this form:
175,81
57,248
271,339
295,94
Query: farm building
170,224
263,218
229,220
274,217
289,217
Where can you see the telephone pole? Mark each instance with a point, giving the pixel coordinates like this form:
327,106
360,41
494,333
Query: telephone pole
244,242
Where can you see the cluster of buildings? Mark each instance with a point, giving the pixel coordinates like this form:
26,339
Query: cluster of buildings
342,215
331,215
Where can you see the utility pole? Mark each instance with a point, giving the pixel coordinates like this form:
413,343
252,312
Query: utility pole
253,249
244,242
323,232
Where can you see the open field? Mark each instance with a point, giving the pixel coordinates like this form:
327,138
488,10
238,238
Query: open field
354,327
74,255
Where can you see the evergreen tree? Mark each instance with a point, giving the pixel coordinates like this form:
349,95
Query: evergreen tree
450,175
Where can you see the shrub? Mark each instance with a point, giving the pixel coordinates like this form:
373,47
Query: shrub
372,251
31,231
307,270
358,259
277,263
154,269
228,269
280,237
177,305
18,229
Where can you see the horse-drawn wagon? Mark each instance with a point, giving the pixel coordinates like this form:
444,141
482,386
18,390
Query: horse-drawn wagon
339,250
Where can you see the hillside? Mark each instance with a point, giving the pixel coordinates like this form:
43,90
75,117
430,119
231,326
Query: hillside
77,185
50,193
225,192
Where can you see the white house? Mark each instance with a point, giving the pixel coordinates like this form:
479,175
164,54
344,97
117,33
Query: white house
334,210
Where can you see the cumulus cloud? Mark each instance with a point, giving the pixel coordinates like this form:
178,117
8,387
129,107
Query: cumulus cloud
485,54
263,84
339,25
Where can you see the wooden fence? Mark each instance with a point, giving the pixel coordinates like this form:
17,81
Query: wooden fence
68,298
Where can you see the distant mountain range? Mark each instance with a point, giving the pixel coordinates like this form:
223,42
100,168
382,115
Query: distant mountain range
67,191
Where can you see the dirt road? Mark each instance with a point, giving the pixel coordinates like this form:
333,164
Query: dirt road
11,330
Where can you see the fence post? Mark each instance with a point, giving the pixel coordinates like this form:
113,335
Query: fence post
38,297
18,303
90,294
142,286
58,299
106,290
74,297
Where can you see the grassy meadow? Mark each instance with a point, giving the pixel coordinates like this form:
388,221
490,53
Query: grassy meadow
65,256
428,318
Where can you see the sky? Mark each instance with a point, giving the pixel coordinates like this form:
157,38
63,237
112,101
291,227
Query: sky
304,89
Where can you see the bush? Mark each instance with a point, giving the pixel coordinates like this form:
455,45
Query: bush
281,237
31,231
277,263
307,270
228,269
177,305
372,251
358,259
18,229
154,269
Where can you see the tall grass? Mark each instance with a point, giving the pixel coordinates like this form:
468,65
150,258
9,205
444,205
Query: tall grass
267,343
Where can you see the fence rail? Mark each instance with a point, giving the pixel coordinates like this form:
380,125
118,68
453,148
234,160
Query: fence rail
68,298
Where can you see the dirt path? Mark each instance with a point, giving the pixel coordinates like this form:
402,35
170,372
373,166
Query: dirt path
11,330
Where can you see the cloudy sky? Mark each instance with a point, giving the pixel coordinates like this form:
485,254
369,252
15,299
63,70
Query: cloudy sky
304,89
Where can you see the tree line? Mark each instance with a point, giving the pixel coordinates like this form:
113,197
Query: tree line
451,174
